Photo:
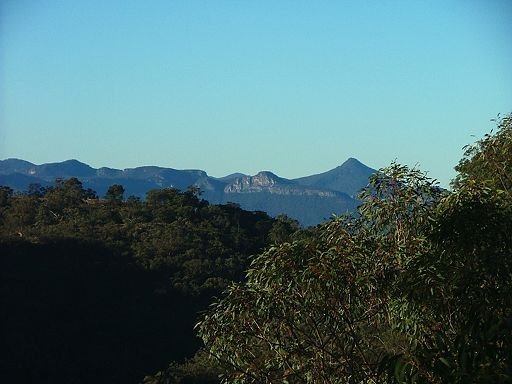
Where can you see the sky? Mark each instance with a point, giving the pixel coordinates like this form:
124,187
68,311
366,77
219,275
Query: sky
295,87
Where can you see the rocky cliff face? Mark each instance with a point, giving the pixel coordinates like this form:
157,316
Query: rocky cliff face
247,184
270,183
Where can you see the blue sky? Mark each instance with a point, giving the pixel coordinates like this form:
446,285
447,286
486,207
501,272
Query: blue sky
295,87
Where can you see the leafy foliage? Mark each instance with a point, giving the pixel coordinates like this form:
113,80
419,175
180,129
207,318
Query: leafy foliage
416,289
311,309
488,160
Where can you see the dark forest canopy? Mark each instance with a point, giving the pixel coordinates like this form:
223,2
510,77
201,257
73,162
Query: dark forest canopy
108,290
162,232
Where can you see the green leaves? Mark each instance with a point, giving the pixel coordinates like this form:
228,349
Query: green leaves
416,289
489,161
311,309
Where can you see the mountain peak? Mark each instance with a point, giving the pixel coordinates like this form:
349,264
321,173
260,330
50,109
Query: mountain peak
267,174
349,177
68,168
264,179
14,166
74,162
351,161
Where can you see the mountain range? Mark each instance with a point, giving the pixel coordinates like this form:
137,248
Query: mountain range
310,200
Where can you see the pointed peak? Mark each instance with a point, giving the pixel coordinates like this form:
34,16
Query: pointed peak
352,164
351,161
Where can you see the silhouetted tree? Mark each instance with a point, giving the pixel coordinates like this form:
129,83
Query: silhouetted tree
115,193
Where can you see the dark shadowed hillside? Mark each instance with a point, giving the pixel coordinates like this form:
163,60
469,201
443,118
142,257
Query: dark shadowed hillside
108,291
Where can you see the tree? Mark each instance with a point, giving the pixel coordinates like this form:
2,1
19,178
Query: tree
489,160
68,193
414,289
320,309
6,194
462,289
465,283
283,228
115,193
36,190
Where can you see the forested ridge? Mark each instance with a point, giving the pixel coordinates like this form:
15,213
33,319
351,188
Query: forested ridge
108,290
415,288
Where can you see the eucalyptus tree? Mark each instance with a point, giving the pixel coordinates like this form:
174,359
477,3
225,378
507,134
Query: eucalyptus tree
416,288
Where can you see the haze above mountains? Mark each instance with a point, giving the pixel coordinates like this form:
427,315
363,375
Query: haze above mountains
310,199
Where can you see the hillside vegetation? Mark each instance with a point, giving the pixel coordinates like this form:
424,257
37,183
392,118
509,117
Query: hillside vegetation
108,290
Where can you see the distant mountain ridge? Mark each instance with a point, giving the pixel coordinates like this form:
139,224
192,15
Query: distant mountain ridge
310,199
